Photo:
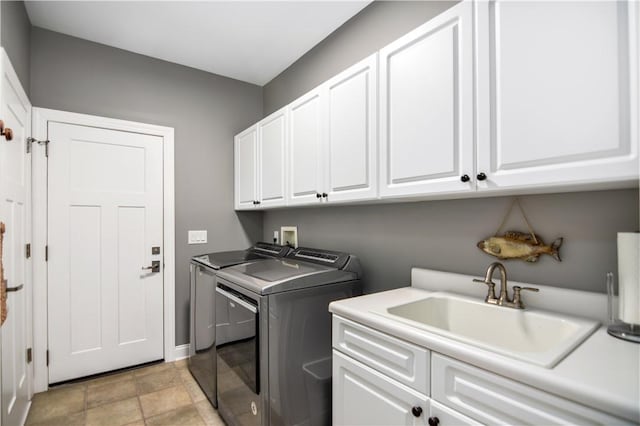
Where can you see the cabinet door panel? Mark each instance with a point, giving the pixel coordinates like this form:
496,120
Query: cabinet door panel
350,158
362,396
492,399
305,148
557,92
271,152
426,107
245,168
448,417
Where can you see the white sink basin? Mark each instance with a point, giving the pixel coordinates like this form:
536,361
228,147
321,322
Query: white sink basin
539,337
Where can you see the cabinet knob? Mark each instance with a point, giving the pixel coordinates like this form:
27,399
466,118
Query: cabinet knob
481,176
257,202
416,411
318,195
434,421
324,195
465,178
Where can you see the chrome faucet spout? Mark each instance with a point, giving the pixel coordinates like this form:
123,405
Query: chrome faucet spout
503,299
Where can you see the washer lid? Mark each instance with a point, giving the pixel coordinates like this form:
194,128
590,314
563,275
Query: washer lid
224,259
277,275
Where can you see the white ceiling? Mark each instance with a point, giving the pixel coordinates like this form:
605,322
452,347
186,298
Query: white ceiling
252,41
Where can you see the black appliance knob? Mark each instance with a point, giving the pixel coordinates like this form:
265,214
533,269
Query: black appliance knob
481,176
416,411
465,178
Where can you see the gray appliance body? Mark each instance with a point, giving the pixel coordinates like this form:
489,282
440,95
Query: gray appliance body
202,329
274,337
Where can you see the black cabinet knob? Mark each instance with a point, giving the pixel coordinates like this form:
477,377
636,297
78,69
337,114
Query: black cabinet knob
254,202
324,195
434,421
481,176
416,411
465,178
257,202
318,195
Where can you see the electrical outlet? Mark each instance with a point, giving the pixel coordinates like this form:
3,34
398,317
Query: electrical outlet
197,237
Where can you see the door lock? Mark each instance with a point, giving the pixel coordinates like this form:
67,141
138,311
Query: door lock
155,266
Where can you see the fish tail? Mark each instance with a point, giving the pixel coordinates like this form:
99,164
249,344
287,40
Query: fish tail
555,249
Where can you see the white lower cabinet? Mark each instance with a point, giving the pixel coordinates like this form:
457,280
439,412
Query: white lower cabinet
363,396
455,393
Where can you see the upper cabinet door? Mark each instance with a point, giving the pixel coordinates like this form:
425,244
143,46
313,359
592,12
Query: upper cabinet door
426,108
305,149
557,92
350,156
245,168
272,138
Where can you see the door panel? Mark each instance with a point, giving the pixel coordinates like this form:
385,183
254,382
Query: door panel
271,151
245,168
426,107
15,205
350,165
305,149
363,396
105,213
560,105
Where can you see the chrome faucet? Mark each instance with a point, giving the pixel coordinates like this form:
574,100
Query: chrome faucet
503,299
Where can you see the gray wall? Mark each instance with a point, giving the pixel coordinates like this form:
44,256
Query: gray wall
206,111
442,235
15,37
392,238
374,27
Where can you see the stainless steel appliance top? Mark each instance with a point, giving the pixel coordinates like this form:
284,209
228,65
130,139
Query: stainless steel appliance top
301,268
225,259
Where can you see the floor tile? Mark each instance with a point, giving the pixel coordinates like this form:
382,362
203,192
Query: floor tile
183,363
187,416
155,368
110,392
57,402
115,414
76,419
158,380
209,414
194,390
164,400
110,378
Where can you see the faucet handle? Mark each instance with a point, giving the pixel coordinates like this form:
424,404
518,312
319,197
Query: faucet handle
517,298
491,292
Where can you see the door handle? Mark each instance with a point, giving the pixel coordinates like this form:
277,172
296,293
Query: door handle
155,266
13,289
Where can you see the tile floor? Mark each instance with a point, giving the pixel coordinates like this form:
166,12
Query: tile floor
160,394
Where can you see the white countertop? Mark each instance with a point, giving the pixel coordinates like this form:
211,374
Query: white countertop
603,372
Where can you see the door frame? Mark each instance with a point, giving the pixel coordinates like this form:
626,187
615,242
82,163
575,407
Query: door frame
40,119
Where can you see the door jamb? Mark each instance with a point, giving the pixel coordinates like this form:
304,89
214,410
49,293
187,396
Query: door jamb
40,119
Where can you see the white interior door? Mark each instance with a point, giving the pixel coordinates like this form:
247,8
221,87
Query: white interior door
15,195
104,216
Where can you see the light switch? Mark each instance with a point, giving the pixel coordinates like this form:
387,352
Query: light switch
197,237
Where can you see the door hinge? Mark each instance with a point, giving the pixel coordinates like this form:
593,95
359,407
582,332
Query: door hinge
29,355
31,140
46,253
47,357
27,250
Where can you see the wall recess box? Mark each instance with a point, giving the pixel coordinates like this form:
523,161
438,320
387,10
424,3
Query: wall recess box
289,236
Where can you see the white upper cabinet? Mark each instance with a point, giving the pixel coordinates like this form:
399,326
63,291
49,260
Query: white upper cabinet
350,170
426,108
306,135
272,142
245,145
557,93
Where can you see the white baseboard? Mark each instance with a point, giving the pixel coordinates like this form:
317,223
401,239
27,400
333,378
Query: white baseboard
181,352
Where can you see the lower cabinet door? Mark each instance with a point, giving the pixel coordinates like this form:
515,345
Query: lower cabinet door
363,396
445,416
